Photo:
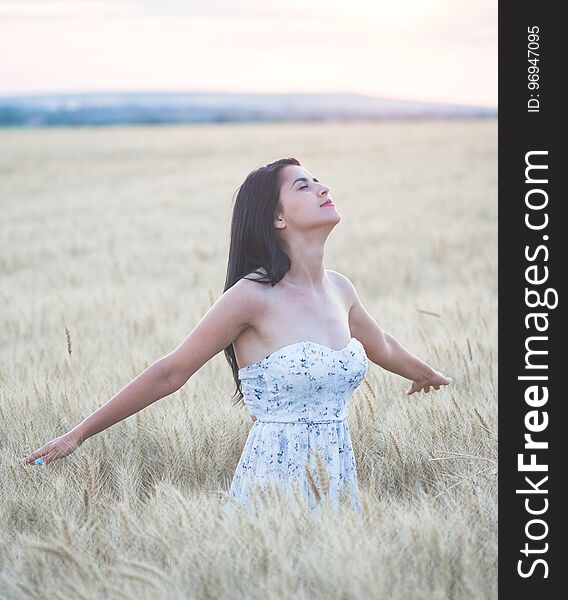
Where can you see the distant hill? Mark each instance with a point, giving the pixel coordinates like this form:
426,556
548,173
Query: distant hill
207,107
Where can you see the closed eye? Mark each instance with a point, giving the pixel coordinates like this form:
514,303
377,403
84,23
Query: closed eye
304,186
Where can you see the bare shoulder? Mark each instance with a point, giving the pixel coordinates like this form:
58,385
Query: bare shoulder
248,292
344,285
362,324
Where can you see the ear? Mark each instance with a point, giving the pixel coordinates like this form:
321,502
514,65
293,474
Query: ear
279,223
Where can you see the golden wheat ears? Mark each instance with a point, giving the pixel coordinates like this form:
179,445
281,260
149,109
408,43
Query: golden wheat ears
322,476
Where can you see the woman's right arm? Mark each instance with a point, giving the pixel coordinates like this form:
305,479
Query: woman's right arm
231,314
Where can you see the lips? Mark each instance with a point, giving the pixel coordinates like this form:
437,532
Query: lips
326,203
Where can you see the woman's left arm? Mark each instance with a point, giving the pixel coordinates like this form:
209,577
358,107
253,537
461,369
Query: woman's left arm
399,360
384,350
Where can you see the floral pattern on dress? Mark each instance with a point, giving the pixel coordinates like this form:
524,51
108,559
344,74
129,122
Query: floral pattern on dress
300,396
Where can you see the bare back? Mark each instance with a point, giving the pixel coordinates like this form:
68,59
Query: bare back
289,314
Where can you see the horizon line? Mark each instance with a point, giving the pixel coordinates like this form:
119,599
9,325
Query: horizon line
237,92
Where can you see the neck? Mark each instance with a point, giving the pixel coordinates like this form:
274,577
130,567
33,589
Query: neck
307,268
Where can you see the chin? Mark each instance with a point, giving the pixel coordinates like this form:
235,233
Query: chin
337,216
333,217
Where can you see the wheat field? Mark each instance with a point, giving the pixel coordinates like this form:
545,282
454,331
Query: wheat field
114,245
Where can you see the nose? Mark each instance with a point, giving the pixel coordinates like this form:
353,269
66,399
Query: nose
324,190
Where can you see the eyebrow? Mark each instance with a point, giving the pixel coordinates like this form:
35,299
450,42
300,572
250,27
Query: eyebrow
303,179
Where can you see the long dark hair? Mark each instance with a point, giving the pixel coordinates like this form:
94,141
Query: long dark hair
253,242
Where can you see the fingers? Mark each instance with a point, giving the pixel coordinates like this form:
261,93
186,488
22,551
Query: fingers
416,387
32,457
434,384
49,457
35,459
40,453
58,448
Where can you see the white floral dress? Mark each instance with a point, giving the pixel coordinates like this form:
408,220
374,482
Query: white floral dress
300,396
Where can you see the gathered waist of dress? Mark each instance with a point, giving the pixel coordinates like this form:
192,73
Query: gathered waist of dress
300,421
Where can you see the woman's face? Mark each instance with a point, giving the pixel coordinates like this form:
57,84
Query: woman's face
305,201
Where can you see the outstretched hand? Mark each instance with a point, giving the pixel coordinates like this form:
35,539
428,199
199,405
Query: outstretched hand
57,448
435,381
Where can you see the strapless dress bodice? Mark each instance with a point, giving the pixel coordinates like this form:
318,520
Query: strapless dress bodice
304,381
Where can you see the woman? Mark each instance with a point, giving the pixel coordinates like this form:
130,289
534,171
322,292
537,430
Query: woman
297,339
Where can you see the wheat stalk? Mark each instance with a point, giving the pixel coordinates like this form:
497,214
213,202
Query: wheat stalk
464,479
457,406
428,312
322,474
489,431
67,535
469,348
368,400
312,483
463,456
68,339
484,424
396,446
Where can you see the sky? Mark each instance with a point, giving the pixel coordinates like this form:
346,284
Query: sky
431,50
